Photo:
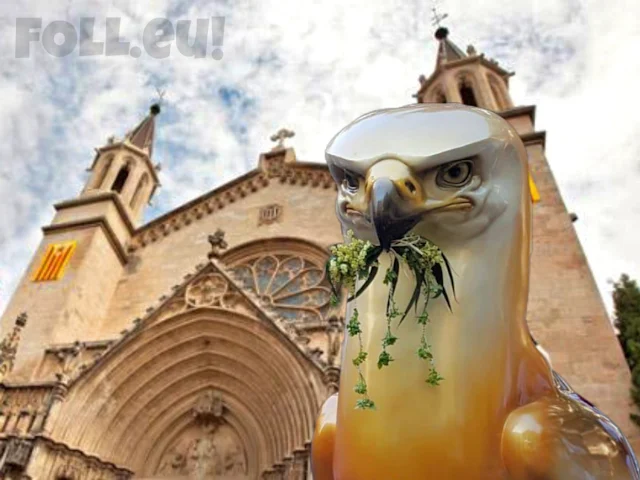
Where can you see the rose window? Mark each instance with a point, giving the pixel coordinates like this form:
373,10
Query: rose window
293,286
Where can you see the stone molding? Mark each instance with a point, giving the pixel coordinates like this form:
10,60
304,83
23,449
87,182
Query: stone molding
97,198
100,221
75,464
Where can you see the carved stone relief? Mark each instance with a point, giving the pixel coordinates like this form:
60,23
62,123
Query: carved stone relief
23,410
269,214
209,449
211,290
65,362
9,346
218,243
206,291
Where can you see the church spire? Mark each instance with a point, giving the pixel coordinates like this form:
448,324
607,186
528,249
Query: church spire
461,77
143,135
447,50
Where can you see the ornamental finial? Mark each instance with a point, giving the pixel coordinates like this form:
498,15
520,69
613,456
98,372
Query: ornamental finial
218,243
280,137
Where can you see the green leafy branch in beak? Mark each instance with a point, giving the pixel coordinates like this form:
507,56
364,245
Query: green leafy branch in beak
358,260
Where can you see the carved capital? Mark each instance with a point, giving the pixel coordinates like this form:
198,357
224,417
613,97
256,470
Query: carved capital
332,379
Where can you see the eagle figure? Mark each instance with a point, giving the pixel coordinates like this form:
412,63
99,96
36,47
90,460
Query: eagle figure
457,176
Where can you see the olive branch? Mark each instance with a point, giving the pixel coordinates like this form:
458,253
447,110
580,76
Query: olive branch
358,260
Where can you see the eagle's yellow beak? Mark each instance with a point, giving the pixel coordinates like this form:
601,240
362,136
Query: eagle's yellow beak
396,200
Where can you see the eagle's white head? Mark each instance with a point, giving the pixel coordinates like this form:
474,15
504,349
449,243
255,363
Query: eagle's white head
446,172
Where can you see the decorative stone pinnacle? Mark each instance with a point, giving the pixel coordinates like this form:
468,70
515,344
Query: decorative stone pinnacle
280,137
21,320
9,346
218,243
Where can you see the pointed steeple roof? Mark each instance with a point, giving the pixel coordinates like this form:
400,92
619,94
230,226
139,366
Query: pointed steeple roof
447,50
143,135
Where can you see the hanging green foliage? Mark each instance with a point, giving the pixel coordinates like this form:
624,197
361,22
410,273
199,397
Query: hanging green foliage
357,260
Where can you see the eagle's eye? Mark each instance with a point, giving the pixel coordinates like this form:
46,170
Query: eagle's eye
455,174
350,182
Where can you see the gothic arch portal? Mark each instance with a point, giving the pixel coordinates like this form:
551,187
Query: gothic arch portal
195,388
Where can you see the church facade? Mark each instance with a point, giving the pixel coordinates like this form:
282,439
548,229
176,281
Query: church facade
202,344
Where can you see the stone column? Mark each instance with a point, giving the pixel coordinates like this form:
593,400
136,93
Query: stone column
299,464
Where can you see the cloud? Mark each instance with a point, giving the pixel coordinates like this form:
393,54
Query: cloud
312,67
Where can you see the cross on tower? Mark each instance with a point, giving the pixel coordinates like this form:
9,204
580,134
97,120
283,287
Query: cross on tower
436,18
280,136
161,94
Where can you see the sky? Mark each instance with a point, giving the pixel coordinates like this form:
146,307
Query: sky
313,67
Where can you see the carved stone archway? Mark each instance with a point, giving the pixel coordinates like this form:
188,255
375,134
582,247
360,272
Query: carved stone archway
192,394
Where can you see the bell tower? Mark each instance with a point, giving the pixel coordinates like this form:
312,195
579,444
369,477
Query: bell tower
124,168
69,283
467,78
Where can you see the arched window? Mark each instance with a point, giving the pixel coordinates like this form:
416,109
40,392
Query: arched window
498,94
439,97
118,183
467,94
142,184
102,173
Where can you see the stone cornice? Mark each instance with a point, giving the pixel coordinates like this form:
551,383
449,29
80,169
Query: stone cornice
529,110
96,198
100,221
20,385
274,168
534,138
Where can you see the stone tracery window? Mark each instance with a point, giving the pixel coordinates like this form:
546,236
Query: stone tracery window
294,286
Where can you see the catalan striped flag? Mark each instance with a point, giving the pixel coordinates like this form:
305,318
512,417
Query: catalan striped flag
535,194
54,261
